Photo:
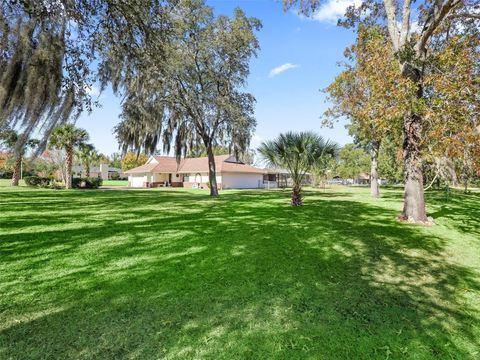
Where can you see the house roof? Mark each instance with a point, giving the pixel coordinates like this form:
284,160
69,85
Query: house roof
95,169
168,164
149,167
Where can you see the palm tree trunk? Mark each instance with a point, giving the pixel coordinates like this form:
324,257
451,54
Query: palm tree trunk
296,195
212,175
374,188
17,169
87,169
68,168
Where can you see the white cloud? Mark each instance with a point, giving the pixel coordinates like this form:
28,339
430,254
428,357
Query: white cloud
415,27
333,10
92,90
280,69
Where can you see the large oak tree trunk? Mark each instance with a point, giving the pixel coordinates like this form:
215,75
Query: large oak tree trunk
414,209
68,168
414,199
296,196
212,175
17,170
374,188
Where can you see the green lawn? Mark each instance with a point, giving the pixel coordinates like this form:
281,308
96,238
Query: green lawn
167,273
115,182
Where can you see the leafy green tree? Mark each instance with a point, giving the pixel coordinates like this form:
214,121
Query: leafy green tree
194,95
10,138
352,161
132,160
115,160
390,164
67,137
298,153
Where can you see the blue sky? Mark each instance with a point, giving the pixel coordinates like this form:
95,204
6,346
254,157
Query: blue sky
298,58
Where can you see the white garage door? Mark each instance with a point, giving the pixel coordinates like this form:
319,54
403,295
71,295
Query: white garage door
137,181
241,181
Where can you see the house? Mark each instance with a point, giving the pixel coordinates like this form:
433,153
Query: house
103,171
193,173
362,179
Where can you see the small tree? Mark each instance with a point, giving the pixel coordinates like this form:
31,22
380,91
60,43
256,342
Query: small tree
68,137
352,160
390,165
299,153
115,160
87,155
132,160
11,139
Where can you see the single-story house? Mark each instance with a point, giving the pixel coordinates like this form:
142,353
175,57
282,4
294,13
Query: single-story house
193,173
361,179
103,171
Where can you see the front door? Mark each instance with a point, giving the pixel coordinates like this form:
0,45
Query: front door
169,179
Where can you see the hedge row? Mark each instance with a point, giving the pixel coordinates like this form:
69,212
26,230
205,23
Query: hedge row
78,183
87,183
38,181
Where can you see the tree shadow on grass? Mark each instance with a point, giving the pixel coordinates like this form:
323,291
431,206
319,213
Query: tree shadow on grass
462,211
178,275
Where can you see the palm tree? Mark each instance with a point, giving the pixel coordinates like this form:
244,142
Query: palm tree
12,139
87,155
68,137
298,153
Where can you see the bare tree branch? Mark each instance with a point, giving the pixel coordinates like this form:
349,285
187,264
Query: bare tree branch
405,22
437,15
465,16
392,23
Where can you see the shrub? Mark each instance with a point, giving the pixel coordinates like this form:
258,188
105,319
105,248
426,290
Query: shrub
6,174
37,181
115,176
94,183
87,183
56,185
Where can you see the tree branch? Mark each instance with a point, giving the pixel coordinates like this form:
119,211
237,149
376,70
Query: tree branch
465,16
405,22
392,22
436,16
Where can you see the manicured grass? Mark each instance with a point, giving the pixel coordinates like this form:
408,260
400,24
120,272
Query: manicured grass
7,182
167,273
115,182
